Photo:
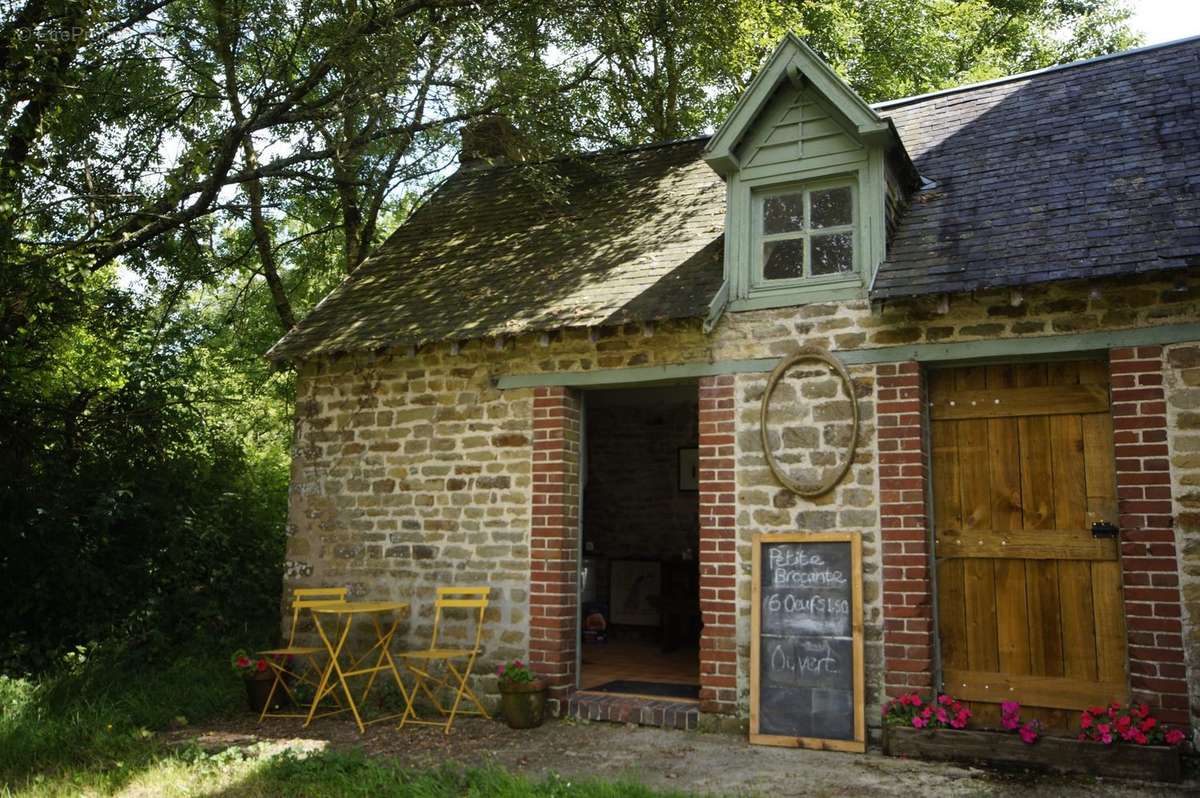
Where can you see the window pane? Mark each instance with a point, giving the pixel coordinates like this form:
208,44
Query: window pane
783,259
832,254
831,207
783,214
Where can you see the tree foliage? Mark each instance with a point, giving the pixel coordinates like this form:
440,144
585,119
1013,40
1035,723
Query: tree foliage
181,179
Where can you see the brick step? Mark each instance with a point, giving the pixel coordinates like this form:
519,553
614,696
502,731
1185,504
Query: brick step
615,708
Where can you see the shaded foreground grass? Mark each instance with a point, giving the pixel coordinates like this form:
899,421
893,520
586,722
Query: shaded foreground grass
92,715
90,729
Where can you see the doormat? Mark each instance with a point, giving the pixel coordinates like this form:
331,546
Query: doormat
659,689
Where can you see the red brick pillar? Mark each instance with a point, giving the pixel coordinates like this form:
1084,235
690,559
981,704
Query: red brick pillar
1149,560
908,634
554,545
718,541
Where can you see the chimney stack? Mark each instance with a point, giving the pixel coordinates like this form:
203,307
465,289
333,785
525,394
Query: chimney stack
491,140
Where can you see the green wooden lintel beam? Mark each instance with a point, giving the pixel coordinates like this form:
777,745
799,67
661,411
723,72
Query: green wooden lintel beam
959,352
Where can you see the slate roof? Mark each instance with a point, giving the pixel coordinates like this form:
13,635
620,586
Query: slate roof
635,235
1086,170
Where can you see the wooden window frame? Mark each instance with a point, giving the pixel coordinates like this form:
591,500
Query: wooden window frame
760,238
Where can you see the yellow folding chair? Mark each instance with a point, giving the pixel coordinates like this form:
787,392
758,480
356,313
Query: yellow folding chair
421,663
280,659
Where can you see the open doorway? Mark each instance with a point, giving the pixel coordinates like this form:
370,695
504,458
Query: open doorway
639,571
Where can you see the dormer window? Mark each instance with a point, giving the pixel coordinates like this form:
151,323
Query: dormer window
806,232
815,180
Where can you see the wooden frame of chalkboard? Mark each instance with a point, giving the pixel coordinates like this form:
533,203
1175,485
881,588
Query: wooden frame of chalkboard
765,725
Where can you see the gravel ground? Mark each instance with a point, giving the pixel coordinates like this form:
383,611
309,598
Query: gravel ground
713,764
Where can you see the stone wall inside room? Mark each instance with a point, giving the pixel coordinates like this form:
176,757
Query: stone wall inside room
633,507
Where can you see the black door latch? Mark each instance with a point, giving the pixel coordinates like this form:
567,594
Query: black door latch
1103,529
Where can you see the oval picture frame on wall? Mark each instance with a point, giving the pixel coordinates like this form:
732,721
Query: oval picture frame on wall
804,355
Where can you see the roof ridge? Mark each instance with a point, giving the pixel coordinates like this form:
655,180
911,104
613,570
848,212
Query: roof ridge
1134,51
567,156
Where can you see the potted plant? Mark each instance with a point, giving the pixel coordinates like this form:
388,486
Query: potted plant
258,677
522,695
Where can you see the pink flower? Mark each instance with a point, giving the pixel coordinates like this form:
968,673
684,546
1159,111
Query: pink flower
1147,724
1106,738
1143,710
1140,738
517,662
1085,721
916,700
944,699
942,716
1010,707
1029,733
261,665
1174,737
919,722
1010,722
905,700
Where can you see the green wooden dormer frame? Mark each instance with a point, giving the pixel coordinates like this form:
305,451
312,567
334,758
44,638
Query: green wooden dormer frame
798,124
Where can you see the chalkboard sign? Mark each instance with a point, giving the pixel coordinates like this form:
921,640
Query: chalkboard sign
806,649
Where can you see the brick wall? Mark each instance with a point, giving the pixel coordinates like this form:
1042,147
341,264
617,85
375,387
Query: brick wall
554,533
908,634
718,556
1149,561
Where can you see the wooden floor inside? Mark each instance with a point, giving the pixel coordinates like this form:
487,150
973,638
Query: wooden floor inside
637,661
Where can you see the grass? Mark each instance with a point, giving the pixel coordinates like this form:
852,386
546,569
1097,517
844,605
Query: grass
89,729
251,773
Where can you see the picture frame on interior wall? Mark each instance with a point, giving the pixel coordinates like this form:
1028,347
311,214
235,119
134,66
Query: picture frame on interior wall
634,588
689,468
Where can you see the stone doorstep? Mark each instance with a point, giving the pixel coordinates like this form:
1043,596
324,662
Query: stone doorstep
616,708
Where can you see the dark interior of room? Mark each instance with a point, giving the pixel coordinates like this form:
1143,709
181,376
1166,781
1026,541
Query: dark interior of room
640,580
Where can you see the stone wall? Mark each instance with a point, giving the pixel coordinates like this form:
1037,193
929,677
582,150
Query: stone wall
1182,378
412,470
808,429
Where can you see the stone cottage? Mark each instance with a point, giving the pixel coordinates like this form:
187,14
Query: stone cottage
550,380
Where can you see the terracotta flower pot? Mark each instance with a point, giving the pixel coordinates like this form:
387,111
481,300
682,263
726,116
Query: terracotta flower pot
523,704
258,688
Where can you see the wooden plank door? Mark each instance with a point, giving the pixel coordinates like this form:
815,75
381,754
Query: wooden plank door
1029,603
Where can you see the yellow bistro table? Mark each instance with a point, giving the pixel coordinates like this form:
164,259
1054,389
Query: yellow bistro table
344,614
